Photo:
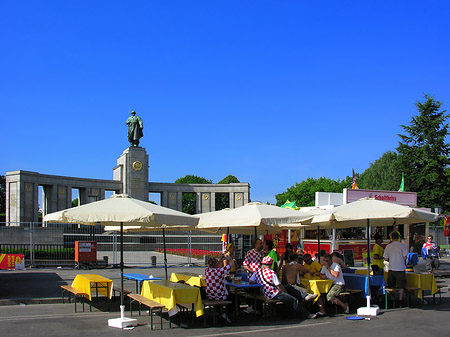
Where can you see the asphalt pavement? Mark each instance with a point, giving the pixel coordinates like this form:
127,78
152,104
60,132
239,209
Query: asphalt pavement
30,305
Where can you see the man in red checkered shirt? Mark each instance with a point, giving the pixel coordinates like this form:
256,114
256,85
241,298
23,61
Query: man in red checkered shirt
252,261
274,290
215,283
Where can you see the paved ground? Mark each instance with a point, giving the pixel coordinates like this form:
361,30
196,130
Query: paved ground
19,316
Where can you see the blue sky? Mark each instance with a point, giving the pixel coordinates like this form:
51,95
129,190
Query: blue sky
272,92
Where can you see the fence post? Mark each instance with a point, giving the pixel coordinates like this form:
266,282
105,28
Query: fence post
31,245
189,249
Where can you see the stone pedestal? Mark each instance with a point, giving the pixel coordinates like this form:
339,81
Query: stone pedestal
132,170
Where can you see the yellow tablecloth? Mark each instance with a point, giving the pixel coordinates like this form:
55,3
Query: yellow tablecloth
85,283
170,294
422,281
362,272
190,278
317,286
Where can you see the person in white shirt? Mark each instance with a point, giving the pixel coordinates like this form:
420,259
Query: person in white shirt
331,270
396,254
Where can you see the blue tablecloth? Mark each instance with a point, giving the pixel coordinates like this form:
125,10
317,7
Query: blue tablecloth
359,282
412,259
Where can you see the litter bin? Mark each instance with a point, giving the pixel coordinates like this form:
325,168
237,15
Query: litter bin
153,260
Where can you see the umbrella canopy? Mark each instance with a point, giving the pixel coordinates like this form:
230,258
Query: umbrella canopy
120,208
380,213
249,218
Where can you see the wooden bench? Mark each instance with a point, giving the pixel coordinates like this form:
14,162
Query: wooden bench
213,304
439,286
82,296
148,303
345,295
263,299
119,290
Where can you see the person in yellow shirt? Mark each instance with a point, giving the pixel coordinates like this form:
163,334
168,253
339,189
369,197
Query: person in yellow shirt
378,259
313,266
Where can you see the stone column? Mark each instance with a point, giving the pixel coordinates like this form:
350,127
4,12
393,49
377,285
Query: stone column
179,201
231,197
213,202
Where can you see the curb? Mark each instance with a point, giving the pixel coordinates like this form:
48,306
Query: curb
27,301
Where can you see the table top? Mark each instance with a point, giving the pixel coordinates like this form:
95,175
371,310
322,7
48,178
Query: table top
190,278
140,277
242,284
83,282
359,282
317,286
170,294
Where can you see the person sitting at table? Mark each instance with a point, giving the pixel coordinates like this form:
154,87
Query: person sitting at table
378,252
332,271
252,261
313,266
270,250
285,256
337,258
215,284
274,290
229,256
430,254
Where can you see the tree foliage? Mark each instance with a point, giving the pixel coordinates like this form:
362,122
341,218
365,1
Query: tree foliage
424,155
383,174
223,199
189,199
304,192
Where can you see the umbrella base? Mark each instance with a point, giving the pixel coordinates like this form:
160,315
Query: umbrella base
368,311
122,322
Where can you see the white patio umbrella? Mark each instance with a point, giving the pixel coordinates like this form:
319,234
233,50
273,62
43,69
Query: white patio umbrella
369,212
252,218
118,210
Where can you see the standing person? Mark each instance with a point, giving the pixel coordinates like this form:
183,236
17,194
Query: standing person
285,257
252,261
229,256
271,251
395,230
273,289
378,259
396,254
332,271
215,284
430,254
135,127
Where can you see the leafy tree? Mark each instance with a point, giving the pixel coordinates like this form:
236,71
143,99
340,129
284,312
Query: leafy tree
2,194
189,199
304,192
424,155
223,199
382,174
75,202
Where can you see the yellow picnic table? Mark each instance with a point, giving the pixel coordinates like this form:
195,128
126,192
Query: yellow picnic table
170,294
87,282
317,286
190,278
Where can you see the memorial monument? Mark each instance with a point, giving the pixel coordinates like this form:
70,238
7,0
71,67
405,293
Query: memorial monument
130,176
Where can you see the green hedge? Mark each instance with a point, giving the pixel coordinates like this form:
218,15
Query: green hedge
60,254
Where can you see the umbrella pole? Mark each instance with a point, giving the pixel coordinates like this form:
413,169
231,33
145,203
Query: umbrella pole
368,263
318,241
228,235
165,255
256,233
122,307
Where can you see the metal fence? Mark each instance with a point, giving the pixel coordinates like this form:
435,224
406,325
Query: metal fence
54,245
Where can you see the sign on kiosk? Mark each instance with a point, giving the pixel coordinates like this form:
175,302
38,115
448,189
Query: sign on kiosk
85,251
12,261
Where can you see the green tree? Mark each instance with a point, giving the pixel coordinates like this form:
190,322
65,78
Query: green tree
382,174
424,155
304,192
189,199
223,199
75,202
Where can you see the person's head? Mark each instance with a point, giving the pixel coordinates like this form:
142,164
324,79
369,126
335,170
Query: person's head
230,247
378,238
292,257
257,245
289,247
327,260
323,252
267,261
430,238
307,258
336,254
213,262
268,245
394,236
133,112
